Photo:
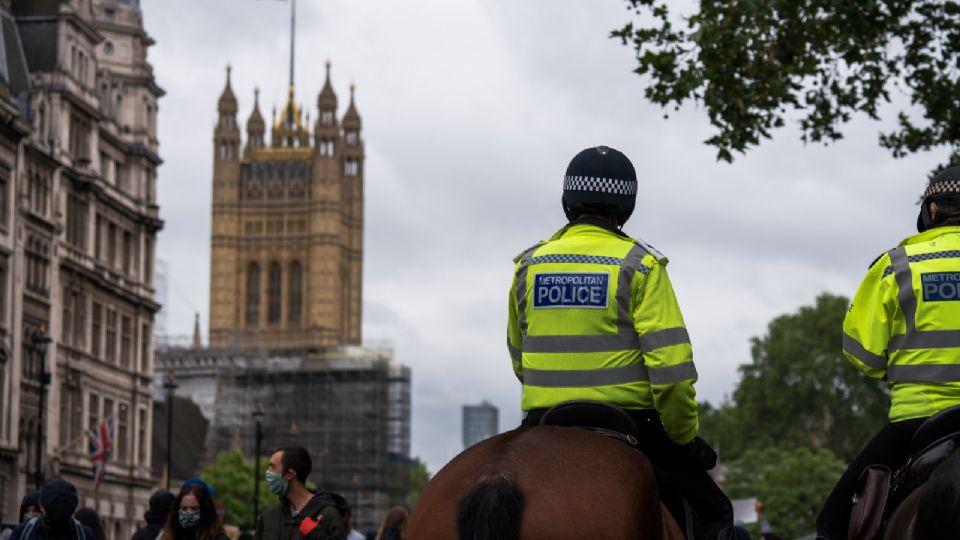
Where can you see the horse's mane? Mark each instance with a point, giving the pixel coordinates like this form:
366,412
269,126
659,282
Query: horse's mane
491,510
938,515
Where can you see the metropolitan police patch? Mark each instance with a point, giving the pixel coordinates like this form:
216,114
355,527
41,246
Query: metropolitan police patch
570,290
940,286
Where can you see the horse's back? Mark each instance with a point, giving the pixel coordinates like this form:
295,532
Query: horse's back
574,484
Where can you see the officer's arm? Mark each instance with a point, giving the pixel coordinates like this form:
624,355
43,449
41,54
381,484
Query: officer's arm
667,353
331,526
514,338
867,326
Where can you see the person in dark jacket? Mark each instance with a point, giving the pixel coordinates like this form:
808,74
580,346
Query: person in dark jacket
155,516
301,513
30,506
58,500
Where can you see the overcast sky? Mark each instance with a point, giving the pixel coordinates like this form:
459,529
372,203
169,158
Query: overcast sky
471,111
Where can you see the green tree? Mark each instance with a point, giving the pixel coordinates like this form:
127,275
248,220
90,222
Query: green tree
419,476
801,390
232,475
753,64
791,483
721,427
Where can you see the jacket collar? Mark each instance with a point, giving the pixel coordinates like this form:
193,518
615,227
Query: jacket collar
589,222
928,235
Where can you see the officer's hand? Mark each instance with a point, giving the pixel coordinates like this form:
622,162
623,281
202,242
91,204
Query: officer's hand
700,453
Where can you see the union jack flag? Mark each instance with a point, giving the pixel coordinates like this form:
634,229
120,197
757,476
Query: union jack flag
100,442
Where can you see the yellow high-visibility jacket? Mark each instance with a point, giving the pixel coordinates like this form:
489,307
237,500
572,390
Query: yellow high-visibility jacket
904,323
593,316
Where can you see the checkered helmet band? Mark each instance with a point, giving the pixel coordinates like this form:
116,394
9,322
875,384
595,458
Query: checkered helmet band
939,188
599,185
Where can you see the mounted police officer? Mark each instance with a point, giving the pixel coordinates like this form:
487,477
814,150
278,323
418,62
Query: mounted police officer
904,327
593,317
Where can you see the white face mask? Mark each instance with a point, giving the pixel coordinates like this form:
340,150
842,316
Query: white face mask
30,515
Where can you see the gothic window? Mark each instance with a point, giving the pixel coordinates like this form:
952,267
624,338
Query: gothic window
351,138
253,294
273,294
326,118
296,292
351,167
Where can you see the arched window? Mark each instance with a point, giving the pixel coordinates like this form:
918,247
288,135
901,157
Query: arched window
273,294
253,294
296,292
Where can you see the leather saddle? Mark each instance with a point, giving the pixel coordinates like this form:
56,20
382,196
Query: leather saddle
595,416
932,443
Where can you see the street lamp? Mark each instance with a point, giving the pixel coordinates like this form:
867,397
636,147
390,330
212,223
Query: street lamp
40,341
169,384
257,418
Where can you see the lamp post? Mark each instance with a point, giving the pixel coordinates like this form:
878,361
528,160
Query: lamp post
258,436
40,341
169,384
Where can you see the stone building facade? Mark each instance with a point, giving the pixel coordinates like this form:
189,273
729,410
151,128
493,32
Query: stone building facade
78,226
287,226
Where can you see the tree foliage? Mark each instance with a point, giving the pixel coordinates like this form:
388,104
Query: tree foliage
753,63
800,389
232,475
792,483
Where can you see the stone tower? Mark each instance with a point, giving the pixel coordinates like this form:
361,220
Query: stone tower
287,226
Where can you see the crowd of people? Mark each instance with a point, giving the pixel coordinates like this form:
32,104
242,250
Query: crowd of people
52,514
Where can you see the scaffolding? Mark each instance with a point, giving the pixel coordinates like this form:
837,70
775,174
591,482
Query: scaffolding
348,406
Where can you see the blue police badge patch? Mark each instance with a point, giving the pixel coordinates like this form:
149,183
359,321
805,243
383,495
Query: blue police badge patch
940,286
571,290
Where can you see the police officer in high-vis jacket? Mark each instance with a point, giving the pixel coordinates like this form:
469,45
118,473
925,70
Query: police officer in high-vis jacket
593,317
903,327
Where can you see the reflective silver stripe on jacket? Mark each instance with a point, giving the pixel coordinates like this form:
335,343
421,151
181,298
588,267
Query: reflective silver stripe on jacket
580,344
928,339
672,374
855,349
515,354
924,373
664,338
578,378
522,289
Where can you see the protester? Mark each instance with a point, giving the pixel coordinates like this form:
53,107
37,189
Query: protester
156,515
300,512
57,501
394,524
193,516
90,518
30,506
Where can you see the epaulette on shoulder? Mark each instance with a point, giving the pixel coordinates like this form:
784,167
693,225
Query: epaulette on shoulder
651,250
531,248
880,256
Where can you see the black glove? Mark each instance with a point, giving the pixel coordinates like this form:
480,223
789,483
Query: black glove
700,454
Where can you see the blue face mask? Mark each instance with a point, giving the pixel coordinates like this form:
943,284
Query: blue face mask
188,518
276,484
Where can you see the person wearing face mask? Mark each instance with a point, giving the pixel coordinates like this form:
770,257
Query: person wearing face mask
193,516
57,501
30,506
300,513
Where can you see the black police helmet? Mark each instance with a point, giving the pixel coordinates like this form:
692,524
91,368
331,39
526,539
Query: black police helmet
943,189
600,180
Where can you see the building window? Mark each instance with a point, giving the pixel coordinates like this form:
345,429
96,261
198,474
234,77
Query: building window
79,139
351,167
111,345
273,294
71,415
96,329
127,252
148,260
69,307
38,191
126,341
326,118
37,255
3,293
4,195
123,434
77,211
253,294
93,411
145,348
142,436
296,292
351,138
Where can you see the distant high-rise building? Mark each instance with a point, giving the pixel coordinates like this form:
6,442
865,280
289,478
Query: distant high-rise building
479,422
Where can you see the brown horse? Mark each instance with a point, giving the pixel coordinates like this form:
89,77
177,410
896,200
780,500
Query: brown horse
544,483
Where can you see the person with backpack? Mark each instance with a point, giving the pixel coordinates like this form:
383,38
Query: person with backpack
58,500
300,513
